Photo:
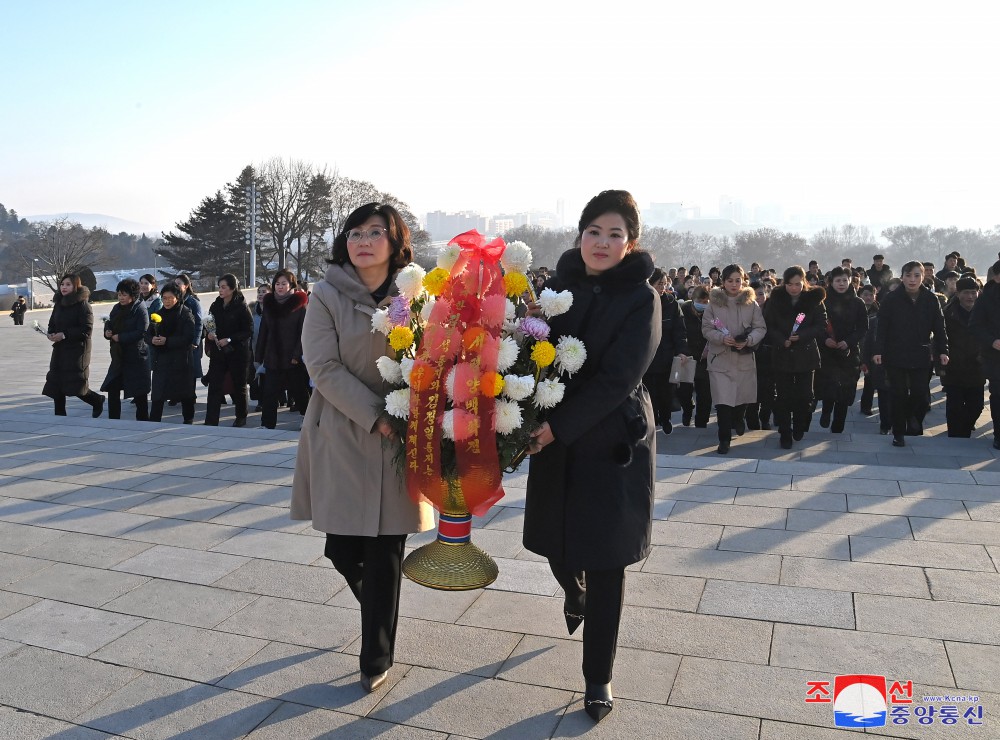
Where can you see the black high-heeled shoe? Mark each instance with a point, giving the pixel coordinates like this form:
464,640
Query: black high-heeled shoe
573,621
598,701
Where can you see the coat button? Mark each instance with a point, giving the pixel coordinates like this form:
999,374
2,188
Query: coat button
597,288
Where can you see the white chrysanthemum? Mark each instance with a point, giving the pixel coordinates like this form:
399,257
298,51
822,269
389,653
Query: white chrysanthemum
381,321
389,369
510,311
507,354
397,403
516,258
448,256
549,393
508,416
518,387
410,280
405,366
553,303
425,312
449,383
570,355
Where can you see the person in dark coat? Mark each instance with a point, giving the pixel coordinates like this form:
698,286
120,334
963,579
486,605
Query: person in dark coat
984,323
795,354
963,378
879,273
170,341
867,295
279,347
876,374
673,343
148,295
18,310
229,351
128,374
758,415
590,481
190,299
696,398
70,327
840,350
907,318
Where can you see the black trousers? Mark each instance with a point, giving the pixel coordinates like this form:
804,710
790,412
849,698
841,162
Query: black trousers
661,394
600,594
114,392
19,319
373,569
962,408
726,416
92,398
187,409
793,398
295,380
910,391
868,393
214,405
700,393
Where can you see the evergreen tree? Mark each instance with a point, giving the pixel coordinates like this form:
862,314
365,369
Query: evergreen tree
210,242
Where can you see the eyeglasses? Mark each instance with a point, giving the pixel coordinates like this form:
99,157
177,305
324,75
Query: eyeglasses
373,236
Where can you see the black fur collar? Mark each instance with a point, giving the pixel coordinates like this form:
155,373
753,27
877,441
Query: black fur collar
635,268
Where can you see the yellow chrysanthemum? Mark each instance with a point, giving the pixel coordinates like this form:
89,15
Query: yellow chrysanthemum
401,337
491,384
515,284
435,281
543,354
155,318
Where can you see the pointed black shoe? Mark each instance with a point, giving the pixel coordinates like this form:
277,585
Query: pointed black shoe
898,440
373,683
573,621
723,448
598,701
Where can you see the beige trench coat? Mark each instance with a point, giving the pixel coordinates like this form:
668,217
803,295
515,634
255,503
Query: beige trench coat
346,479
732,375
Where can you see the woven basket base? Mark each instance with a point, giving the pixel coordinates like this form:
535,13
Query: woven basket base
450,567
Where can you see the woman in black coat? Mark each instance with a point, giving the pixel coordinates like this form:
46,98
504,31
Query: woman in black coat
170,341
906,320
963,379
229,351
70,327
795,354
696,398
590,481
128,374
673,343
840,350
18,310
279,347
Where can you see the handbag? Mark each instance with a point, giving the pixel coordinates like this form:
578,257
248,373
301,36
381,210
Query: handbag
682,373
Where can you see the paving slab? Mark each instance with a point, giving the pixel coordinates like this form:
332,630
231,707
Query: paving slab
963,585
284,580
180,533
784,499
292,720
96,551
845,575
778,603
974,666
15,567
17,538
181,564
945,620
634,720
783,542
297,623
184,603
686,534
682,633
15,723
11,603
523,576
77,584
663,591
736,566
956,492
867,525
824,484
291,548
702,493
77,630
524,613
951,530
741,516
920,554
907,506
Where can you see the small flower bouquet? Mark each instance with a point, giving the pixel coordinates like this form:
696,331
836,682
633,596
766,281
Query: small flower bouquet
472,373
155,319
208,325
717,323
37,327
798,322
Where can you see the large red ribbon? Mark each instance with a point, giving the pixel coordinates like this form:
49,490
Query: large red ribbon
462,328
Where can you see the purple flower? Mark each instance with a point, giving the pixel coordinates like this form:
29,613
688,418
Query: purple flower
399,311
534,328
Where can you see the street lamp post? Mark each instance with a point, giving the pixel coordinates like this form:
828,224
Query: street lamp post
252,227
31,285
155,255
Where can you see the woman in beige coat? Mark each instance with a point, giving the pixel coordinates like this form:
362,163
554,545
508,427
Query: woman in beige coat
733,325
346,477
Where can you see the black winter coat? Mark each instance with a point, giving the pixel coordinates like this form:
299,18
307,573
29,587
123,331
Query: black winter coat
171,362
779,315
696,340
232,322
847,318
129,355
878,278
905,328
590,493
280,338
985,326
673,335
69,368
965,365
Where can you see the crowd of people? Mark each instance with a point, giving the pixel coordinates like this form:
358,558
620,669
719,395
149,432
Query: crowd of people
772,349
157,337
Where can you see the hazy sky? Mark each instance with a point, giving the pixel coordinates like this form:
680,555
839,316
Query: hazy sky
881,110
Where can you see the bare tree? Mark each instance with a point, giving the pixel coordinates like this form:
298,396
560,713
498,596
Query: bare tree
60,247
285,210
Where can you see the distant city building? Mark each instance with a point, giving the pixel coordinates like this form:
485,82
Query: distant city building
732,209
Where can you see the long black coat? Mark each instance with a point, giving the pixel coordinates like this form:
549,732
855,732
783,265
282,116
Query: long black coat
696,340
69,368
129,355
840,370
905,327
232,322
673,335
985,326
280,337
779,315
590,493
171,363
965,365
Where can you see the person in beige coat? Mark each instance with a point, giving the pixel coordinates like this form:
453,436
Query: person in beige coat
347,480
733,325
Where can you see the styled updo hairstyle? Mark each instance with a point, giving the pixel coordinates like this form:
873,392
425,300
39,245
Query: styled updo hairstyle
620,202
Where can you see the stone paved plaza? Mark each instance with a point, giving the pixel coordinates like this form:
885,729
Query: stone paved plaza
153,586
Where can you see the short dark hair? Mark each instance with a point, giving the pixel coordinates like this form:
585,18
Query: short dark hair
169,287
838,272
879,257
657,276
794,271
73,278
229,279
288,275
911,265
612,201
396,229
129,286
